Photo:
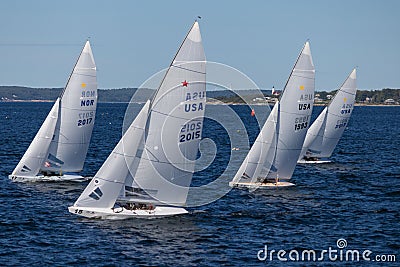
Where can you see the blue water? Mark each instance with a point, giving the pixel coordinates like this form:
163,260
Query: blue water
356,198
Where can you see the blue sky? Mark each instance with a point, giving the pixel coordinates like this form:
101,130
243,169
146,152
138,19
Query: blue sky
131,40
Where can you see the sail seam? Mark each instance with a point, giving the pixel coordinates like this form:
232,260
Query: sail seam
188,69
168,162
300,76
170,115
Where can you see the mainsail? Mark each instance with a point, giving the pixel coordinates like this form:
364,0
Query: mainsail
37,151
74,128
277,147
154,161
325,132
175,126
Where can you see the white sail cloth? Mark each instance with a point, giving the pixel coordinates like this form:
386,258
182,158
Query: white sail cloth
328,128
62,142
155,157
276,149
74,128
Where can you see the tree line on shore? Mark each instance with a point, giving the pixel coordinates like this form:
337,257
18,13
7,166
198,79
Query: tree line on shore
20,93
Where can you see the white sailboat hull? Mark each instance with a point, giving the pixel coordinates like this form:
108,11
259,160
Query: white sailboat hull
43,178
269,185
122,213
320,161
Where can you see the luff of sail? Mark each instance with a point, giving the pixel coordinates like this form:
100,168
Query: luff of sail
322,138
108,182
74,128
36,154
175,126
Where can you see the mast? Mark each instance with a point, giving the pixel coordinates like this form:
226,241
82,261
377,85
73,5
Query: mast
172,62
76,62
294,66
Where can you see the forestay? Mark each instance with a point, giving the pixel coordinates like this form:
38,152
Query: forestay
35,155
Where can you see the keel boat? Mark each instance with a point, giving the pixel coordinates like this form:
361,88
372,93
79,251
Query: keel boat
326,131
272,159
148,174
58,151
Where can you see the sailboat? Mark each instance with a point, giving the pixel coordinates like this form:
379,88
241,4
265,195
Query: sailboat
271,160
324,134
149,172
58,151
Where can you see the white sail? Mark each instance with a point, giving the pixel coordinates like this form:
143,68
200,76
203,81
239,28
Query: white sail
259,159
108,182
35,155
68,150
335,118
175,126
315,134
277,147
295,107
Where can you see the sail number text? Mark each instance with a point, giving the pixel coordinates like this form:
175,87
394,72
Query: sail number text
189,107
301,123
85,118
304,106
88,102
341,123
78,211
190,131
346,108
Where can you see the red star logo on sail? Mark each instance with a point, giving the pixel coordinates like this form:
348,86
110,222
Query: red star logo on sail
185,83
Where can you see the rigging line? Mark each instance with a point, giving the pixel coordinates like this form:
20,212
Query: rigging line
168,115
344,91
340,89
338,116
105,179
294,113
300,76
293,69
169,163
288,149
125,155
69,78
188,69
81,74
276,135
166,73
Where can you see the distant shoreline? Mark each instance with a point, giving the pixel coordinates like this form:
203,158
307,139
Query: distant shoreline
208,103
